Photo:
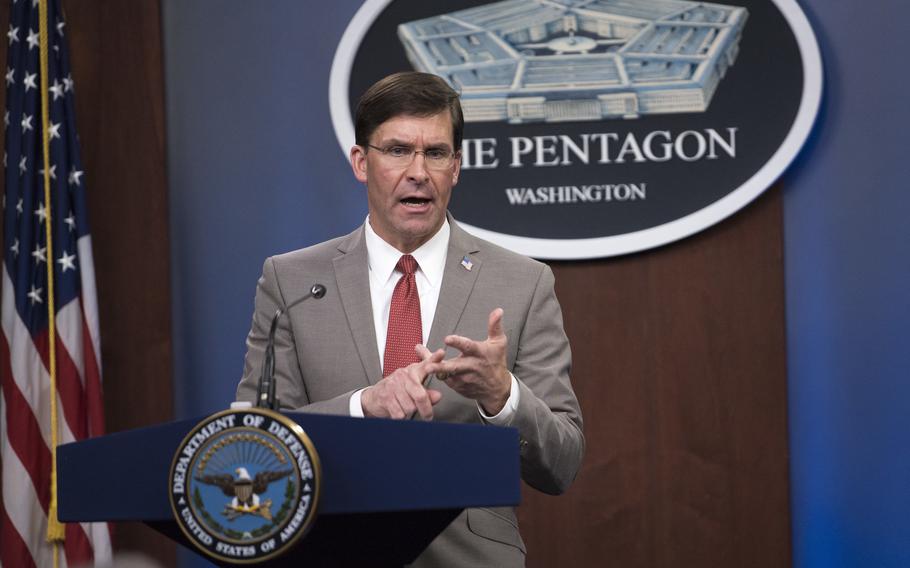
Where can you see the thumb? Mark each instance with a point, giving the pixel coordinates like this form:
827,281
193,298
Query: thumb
494,325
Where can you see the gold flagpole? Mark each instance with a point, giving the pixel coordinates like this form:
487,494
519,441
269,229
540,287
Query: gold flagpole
55,529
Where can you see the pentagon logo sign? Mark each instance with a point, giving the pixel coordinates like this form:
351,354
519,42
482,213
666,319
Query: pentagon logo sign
244,485
581,60
599,127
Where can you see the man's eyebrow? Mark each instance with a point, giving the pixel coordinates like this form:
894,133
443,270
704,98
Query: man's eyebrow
398,142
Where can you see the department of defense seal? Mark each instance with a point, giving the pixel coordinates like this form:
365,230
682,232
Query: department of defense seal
244,485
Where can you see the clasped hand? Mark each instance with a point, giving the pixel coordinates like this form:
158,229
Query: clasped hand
479,372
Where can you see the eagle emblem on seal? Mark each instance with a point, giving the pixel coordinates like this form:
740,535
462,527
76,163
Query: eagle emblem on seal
245,490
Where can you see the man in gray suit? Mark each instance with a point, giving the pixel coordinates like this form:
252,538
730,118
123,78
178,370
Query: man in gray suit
483,340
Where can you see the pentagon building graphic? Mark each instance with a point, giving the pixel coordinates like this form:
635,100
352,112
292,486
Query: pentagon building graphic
572,60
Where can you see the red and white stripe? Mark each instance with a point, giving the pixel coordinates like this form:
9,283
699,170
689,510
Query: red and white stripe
25,429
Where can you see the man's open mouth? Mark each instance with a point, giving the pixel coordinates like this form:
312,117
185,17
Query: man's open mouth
415,201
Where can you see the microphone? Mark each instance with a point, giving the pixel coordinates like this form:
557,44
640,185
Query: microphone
265,392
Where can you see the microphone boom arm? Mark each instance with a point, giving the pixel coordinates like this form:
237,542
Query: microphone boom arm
265,392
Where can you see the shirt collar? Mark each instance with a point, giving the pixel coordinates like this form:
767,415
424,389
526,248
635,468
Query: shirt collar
430,257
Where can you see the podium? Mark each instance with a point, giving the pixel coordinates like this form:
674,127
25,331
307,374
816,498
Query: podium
389,487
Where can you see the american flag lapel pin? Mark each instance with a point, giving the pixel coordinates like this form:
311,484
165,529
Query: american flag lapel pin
466,262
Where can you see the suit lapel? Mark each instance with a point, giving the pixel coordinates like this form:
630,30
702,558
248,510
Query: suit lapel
457,283
353,279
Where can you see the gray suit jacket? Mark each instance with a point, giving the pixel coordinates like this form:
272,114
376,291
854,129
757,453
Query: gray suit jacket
325,350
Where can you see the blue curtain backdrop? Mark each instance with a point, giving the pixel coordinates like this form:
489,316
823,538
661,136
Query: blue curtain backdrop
255,169
846,211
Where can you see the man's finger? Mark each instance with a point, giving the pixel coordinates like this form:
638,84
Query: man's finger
422,351
463,344
421,400
494,326
404,405
454,367
434,368
451,367
423,369
426,356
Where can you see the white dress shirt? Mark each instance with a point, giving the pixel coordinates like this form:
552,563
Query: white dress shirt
431,260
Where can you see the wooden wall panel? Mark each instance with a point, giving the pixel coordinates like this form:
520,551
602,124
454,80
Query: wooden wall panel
679,363
116,57
116,53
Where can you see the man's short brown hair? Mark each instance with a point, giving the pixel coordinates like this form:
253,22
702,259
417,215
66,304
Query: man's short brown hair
407,93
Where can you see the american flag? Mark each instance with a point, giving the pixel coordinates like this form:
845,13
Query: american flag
26,432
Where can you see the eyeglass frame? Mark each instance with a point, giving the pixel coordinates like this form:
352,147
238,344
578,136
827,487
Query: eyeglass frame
413,152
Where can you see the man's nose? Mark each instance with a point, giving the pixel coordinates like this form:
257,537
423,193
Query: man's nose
417,169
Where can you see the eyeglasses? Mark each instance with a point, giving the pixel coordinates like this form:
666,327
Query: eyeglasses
402,156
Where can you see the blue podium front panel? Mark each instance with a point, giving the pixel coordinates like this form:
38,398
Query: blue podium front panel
368,466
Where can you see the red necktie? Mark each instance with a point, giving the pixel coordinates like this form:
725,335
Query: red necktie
405,330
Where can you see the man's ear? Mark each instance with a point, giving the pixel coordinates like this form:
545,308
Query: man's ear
359,163
457,170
